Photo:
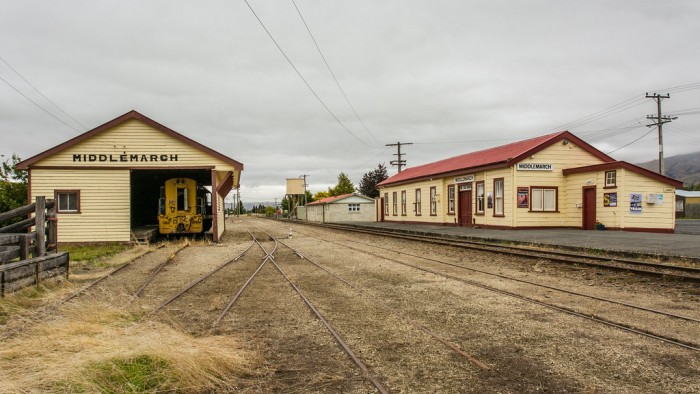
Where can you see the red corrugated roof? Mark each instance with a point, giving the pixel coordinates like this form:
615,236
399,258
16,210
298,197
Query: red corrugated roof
330,199
504,155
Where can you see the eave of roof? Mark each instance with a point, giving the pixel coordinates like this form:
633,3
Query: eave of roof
496,157
119,120
627,166
337,198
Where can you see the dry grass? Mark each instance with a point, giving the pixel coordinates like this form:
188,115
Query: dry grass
97,347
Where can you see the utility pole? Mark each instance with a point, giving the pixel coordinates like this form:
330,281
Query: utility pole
659,121
399,161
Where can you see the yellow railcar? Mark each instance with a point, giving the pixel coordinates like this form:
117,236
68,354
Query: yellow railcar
182,207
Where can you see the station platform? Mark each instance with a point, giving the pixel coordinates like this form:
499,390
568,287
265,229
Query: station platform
685,243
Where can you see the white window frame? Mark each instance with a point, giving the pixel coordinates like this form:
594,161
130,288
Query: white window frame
498,197
544,199
480,198
354,207
61,196
433,201
451,199
611,178
418,202
403,203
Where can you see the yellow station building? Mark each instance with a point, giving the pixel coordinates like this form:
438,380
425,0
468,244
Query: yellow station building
553,181
107,181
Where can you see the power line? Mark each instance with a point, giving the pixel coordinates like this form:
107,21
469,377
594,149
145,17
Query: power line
37,105
302,77
630,143
332,73
41,94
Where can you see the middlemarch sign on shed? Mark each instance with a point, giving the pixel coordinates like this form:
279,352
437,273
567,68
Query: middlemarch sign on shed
108,180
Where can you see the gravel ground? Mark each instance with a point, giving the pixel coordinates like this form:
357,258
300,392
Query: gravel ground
531,348
377,312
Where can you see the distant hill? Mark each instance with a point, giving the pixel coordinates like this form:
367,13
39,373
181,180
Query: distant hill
685,168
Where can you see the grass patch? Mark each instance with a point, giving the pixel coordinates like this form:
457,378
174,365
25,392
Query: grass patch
94,346
93,254
139,374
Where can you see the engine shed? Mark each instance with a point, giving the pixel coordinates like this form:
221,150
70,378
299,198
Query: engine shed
108,181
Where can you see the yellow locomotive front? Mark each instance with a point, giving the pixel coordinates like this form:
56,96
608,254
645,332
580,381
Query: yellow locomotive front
180,209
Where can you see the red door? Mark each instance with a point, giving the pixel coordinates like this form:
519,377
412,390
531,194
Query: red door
589,208
465,208
381,209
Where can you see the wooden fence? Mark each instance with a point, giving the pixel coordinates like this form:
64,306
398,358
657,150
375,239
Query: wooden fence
28,257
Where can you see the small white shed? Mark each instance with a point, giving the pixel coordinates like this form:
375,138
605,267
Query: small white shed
351,207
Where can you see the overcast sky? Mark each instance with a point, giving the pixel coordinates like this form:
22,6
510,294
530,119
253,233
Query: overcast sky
449,76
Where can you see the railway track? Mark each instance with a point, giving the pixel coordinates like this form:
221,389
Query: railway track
269,257
647,268
564,309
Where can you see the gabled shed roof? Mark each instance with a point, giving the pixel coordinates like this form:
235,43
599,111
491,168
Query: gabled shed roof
332,199
121,119
497,157
614,165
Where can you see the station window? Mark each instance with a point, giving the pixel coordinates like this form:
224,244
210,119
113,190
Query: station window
353,207
498,197
543,199
395,203
451,199
433,201
386,203
68,201
480,197
610,178
418,202
403,202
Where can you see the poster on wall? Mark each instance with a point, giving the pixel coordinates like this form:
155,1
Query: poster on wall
489,200
659,199
609,199
523,197
636,203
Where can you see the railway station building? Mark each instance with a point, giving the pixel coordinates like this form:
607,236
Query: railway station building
107,181
552,181
351,207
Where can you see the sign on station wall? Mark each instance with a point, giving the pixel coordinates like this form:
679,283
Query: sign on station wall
535,167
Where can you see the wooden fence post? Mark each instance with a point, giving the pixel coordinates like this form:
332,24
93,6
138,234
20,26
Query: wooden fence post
40,216
52,238
36,274
24,246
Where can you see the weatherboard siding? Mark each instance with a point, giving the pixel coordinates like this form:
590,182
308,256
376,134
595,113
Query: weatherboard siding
560,156
104,203
134,137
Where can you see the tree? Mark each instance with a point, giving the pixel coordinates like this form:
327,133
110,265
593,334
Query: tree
344,186
321,195
368,184
13,185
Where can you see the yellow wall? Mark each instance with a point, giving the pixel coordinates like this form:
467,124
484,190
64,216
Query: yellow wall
561,156
105,189
134,137
569,195
104,203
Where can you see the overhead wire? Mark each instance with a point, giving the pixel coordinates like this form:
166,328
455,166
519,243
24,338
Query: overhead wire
37,105
304,79
42,94
630,143
337,83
